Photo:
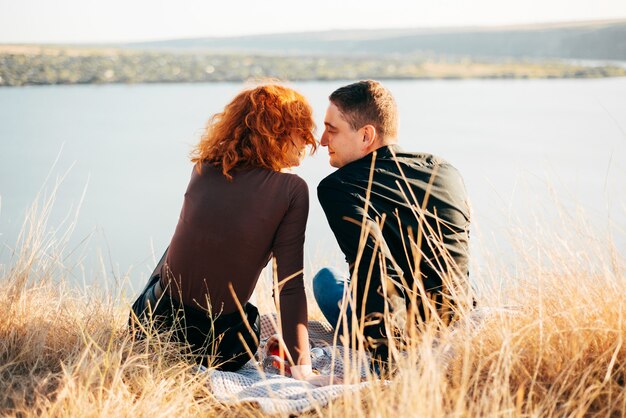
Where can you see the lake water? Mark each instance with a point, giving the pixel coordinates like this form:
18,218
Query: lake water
527,149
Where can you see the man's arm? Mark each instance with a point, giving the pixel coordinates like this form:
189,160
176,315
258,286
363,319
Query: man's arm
360,239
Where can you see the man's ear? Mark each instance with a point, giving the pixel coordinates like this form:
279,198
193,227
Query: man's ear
369,136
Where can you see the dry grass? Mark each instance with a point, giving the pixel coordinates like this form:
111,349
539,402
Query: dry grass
558,352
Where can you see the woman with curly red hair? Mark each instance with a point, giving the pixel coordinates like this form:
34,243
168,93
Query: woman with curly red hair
240,209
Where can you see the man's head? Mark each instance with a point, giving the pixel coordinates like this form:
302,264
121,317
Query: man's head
360,118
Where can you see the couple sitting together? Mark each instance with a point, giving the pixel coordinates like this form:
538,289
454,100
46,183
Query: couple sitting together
401,219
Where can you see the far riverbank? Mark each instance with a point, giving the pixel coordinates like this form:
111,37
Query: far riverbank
23,65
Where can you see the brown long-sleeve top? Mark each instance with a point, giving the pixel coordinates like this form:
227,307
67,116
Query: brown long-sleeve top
226,234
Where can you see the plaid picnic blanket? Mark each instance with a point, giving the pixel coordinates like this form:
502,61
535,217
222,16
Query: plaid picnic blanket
276,394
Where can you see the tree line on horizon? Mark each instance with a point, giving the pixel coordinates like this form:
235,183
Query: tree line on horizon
158,67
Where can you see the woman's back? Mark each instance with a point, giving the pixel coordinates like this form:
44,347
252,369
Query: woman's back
228,231
232,221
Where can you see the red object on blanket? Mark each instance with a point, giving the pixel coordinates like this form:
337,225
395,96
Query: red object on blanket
275,358
276,365
272,347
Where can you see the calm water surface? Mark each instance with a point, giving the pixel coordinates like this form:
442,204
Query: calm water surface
528,150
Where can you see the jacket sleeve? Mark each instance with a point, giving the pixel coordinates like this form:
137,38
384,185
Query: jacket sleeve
360,238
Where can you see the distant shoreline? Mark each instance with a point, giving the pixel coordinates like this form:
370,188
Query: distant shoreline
27,65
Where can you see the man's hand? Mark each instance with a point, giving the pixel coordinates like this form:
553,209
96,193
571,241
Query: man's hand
305,372
323,380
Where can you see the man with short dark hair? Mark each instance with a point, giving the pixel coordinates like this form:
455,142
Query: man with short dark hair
401,219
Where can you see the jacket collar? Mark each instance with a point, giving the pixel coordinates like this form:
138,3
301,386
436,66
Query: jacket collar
387,151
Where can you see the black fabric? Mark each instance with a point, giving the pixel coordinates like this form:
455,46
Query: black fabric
418,220
212,342
139,305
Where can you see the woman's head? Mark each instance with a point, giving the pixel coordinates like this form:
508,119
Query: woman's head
267,126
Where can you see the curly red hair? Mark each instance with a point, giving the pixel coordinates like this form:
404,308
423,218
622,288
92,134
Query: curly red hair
256,129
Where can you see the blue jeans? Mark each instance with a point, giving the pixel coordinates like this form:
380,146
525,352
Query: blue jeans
329,288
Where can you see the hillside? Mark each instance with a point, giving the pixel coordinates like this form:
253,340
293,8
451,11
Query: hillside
595,40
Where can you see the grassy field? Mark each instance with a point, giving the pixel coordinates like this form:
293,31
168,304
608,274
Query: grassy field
561,352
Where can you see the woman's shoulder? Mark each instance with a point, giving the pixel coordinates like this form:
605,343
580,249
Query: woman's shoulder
252,179
289,179
253,174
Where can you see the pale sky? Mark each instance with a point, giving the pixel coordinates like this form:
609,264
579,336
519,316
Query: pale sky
136,20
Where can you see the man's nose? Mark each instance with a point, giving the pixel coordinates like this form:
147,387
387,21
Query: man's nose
324,140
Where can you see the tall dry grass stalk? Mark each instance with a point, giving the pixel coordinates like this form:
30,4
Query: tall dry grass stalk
65,352
547,341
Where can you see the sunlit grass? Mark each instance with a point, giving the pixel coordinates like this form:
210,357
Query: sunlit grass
550,342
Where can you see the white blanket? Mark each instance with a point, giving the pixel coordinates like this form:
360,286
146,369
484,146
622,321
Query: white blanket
278,394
